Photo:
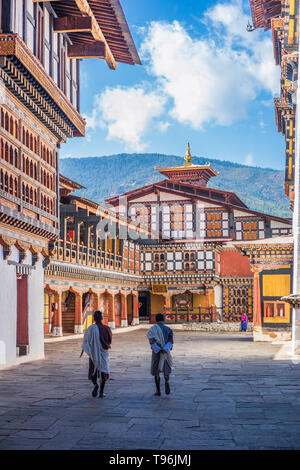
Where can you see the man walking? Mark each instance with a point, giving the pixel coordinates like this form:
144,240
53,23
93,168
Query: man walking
160,338
96,343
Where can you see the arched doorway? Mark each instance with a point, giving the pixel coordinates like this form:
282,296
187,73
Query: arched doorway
68,311
89,306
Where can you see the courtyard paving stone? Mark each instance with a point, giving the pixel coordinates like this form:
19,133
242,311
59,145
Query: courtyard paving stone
227,393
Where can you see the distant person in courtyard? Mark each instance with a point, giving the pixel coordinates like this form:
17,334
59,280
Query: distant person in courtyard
244,322
160,337
96,343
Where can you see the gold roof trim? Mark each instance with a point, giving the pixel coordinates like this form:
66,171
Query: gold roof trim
189,166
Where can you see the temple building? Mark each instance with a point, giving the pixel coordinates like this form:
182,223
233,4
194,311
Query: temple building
41,44
192,263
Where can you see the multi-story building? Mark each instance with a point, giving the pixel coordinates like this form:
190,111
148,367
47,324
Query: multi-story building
41,44
192,263
95,264
281,17
272,260
166,248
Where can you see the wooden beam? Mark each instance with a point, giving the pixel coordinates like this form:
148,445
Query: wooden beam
87,51
97,33
72,24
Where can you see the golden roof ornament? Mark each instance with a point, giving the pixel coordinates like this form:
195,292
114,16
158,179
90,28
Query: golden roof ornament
188,156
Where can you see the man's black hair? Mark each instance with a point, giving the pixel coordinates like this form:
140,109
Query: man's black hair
159,317
98,316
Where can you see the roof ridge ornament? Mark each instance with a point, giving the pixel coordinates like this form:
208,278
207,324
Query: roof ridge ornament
188,156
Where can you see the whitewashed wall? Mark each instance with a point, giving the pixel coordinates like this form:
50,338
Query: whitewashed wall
8,311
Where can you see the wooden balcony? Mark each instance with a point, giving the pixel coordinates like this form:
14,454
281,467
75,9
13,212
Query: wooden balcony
51,105
69,252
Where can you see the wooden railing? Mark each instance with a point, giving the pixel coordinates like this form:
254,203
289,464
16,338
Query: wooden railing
70,252
186,315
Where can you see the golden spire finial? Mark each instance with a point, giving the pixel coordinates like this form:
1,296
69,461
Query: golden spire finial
188,156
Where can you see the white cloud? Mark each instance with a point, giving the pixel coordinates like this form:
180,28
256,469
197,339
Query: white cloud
198,81
163,126
212,79
126,113
249,160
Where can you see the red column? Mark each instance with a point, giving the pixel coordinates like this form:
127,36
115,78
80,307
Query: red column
96,301
57,319
124,318
135,320
111,311
257,321
22,315
78,327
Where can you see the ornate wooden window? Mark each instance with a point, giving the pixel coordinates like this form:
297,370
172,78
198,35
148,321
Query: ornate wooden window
274,309
237,300
249,229
177,221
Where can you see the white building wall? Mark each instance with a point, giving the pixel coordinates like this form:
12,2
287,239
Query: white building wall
36,310
8,310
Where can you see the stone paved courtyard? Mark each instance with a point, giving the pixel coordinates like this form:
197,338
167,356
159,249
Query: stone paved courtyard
227,393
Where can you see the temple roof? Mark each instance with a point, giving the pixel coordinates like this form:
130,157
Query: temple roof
198,175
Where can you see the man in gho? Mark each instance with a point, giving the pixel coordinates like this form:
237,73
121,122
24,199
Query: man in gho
160,337
96,343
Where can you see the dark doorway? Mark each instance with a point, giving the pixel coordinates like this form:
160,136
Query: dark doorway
144,306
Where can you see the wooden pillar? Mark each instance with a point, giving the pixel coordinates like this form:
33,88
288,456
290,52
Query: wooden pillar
78,327
97,301
87,243
135,320
167,303
257,320
77,238
124,318
57,319
65,237
111,310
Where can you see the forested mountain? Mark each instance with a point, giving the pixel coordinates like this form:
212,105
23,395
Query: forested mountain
259,188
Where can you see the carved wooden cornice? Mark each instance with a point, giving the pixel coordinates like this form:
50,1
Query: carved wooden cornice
13,45
7,243
85,8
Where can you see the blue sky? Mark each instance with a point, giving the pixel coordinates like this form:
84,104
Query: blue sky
203,79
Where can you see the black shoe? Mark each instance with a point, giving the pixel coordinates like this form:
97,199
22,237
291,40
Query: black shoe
95,391
167,388
102,395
